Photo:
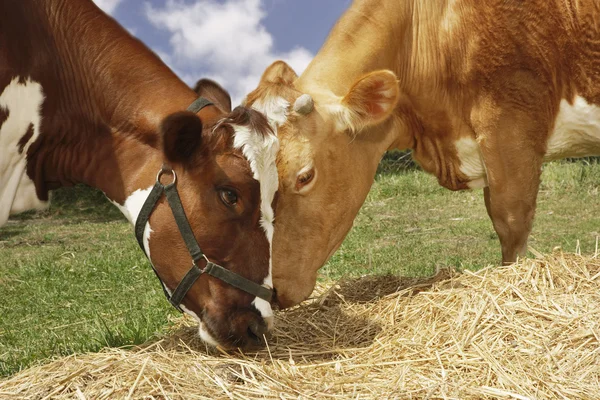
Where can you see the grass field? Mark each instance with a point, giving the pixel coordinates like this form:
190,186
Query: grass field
72,279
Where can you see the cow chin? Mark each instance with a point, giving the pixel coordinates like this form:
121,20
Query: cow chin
203,331
291,292
291,287
205,335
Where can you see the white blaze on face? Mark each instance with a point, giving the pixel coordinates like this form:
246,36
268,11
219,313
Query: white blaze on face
23,102
261,152
274,108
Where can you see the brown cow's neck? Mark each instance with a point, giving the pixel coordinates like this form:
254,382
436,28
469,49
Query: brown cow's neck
106,94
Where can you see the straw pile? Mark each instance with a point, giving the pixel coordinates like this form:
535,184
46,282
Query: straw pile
531,330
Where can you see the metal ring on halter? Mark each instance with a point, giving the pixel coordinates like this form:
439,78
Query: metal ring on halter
207,262
166,170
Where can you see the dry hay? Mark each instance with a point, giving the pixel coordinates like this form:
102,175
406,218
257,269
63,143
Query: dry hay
530,330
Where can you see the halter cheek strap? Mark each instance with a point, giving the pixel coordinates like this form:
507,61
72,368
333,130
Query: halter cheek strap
212,269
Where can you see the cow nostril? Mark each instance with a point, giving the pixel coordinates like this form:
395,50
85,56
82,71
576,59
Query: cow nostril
256,330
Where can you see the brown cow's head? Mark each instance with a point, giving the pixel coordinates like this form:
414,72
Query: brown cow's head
325,169
226,179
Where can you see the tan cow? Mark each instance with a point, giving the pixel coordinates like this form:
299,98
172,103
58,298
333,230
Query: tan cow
483,92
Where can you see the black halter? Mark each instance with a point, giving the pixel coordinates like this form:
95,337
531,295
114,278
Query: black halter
187,234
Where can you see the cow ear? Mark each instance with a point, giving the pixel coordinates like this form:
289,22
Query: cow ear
370,101
214,92
181,134
279,72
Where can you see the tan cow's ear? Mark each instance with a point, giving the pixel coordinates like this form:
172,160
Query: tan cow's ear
279,72
370,101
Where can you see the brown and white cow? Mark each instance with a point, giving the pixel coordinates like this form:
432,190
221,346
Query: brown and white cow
82,101
483,92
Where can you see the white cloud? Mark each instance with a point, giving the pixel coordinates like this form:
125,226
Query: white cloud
225,41
108,6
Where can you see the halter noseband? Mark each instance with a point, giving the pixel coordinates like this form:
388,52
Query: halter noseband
212,269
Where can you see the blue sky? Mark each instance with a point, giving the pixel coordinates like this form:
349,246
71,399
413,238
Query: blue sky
231,41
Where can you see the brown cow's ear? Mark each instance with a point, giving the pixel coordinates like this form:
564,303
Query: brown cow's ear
182,135
214,92
370,101
279,72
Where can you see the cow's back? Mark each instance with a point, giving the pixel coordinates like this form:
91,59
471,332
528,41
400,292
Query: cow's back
585,62
556,43
542,58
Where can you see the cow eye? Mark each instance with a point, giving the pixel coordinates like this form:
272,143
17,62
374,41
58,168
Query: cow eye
304,178
229,197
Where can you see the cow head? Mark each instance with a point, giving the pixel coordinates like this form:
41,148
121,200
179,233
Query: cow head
325,169
226,178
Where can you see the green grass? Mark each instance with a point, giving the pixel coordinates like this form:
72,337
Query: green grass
72,279
410,225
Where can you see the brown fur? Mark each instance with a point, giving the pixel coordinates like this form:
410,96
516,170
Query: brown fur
106,96
181,136
493,72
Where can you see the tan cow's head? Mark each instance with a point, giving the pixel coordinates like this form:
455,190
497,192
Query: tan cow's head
329,151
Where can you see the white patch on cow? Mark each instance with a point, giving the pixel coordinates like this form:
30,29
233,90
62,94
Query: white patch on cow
202,331
23,101
275,108
261,152
471,162
576,131
206,336
131,209
264,307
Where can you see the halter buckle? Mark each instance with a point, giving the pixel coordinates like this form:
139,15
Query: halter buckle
166,170
203,270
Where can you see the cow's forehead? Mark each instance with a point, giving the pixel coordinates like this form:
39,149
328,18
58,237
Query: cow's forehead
275,107
269,98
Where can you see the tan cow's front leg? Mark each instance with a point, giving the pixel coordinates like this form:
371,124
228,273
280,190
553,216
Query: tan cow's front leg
512,218
513,158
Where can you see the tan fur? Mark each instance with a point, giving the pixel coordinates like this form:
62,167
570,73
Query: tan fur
493,72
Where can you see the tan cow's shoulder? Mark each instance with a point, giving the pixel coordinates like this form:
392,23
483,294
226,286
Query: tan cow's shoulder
476,63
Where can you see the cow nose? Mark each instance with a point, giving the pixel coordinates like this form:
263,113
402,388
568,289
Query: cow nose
257,328
256,331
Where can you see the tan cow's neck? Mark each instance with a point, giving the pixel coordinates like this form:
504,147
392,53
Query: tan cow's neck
110,93
363,40
413,39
